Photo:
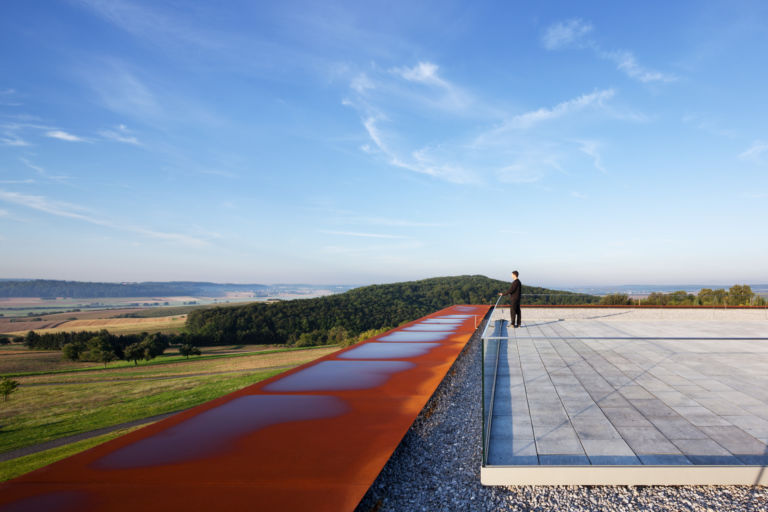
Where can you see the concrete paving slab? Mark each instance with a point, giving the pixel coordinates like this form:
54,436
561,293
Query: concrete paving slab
628,394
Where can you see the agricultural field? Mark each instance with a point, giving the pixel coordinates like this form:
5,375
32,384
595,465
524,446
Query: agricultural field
165,325
60,404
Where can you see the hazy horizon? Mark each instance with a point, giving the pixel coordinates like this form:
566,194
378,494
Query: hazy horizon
361,143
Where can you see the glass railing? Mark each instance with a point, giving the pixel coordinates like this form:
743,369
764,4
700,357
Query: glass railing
493,336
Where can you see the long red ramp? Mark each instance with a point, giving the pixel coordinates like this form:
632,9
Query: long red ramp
313,438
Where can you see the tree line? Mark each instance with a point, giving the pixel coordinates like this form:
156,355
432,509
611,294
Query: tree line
49,288
104,347
736,295
347,315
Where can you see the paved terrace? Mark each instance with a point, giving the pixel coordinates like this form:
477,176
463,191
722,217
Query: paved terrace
609,396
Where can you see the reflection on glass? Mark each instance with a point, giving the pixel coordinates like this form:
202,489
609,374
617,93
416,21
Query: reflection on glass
217,430
415,336
431,327
373,350
340,375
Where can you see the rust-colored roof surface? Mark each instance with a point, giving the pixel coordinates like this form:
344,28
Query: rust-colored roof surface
313,438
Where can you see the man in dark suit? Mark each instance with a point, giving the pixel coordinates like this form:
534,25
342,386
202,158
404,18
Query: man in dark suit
514,299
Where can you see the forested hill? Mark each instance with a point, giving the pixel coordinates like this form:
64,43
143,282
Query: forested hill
84,290
356,311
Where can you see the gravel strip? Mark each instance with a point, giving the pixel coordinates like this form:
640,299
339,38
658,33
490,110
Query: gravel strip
437,467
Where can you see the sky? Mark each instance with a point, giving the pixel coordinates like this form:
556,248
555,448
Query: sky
581,143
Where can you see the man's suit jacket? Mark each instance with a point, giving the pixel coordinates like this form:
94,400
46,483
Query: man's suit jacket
514,290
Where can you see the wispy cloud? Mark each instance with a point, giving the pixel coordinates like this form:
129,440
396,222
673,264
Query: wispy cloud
361,235
17,182
528,119
423,72
419,161
755,152
573,33
62,135
7,98
72,211
121,90
708,126
120,134
597,100
565,33
578,195
591,149
42,172
362,83
625,61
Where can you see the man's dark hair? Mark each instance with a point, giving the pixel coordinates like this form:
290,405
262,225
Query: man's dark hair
517,274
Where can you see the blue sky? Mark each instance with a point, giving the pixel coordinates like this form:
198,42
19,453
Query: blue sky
361,142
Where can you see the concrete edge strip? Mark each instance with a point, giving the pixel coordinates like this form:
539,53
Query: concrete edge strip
624,475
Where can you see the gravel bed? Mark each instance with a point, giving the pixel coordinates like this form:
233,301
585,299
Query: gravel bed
437,467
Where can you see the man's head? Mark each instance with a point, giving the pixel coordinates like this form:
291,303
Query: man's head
515,274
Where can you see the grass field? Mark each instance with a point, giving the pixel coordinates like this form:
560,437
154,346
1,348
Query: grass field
49,406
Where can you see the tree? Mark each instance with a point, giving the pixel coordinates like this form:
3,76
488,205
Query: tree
740,295
616,299
189,350
134,352
338,335
7,386
72,350
31,339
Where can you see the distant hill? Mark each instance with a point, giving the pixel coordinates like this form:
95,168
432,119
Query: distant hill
357,310
85,290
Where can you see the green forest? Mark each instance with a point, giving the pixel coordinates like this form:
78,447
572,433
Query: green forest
327,319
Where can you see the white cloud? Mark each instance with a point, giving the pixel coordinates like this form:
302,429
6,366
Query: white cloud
62,135
72,211
361,83
423,72
13,140
120,134
500,134
528,119
573,33
419,161
755,152
590,148
42,172
626,62
361,235
565,33
578,195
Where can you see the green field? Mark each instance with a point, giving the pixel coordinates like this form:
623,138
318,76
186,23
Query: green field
67,402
